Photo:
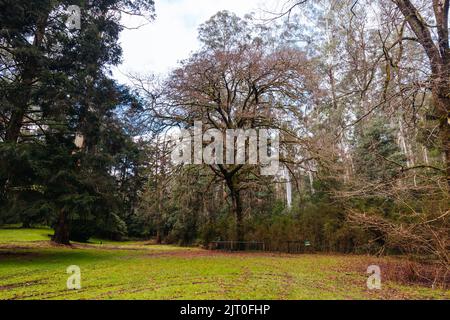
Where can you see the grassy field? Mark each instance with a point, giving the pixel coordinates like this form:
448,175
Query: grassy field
32,268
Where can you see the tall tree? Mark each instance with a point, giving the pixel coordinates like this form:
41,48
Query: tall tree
239,82
438,53
56,88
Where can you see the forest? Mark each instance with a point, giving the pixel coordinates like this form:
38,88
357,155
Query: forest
356,92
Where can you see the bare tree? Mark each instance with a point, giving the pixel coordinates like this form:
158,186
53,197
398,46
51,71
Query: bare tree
438,53
431,32
245,88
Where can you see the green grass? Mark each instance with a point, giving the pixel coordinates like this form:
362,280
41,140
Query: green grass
37,270
13,234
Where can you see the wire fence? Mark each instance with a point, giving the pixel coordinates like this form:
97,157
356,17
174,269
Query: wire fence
303,246
238,246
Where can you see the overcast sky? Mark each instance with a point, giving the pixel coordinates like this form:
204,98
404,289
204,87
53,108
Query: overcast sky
158,46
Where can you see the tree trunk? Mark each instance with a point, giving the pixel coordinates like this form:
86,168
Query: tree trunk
3,190
237,210
446,146
61,235
15,123
26,225
158,236
288,188
311,182
441,98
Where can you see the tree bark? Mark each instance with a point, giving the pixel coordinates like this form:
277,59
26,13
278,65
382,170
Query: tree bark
15,123
237,210
61,235
441,98
288,188
158,236
446,146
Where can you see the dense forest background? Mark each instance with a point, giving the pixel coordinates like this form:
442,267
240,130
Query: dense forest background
358,89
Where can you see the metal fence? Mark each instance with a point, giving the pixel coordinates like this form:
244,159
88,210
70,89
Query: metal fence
238,246
299,247
281,246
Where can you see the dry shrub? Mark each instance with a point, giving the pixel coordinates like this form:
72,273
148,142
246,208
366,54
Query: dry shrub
416,273
425,243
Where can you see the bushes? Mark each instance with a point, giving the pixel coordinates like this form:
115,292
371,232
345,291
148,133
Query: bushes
113,227
81,230
323,224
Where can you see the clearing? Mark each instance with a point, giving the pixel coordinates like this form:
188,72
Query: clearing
33,268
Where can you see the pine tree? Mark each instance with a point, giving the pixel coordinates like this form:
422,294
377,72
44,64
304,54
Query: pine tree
55,86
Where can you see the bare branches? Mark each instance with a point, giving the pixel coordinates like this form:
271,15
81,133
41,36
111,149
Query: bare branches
415,21
423,237
286,12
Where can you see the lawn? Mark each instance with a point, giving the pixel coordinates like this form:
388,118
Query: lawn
32,268
14,235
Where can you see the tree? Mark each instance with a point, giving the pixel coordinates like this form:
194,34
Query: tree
438,53
377,155
433,16
230,84
56,88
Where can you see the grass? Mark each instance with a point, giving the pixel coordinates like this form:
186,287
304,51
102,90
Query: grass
32,268
14,234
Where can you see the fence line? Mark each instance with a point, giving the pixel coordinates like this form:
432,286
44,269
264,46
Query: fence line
283,246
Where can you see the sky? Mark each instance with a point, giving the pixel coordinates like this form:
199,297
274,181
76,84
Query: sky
157,47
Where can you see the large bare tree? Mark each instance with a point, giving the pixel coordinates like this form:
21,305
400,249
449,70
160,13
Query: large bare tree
242,89
239,85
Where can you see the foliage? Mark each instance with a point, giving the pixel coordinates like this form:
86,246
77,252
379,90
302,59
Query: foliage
56,88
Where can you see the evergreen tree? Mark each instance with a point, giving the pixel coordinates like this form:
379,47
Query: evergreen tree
378,157
56,89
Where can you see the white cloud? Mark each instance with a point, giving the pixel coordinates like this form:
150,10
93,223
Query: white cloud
158,46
